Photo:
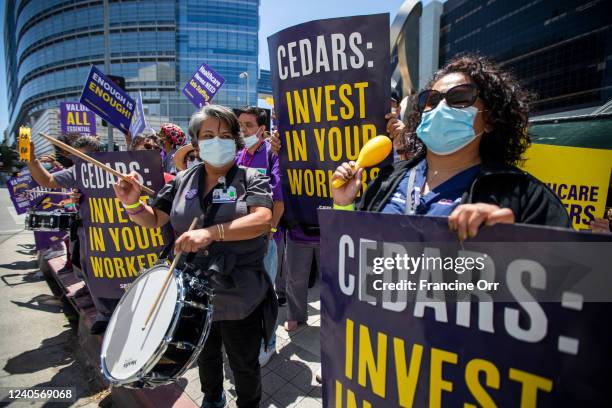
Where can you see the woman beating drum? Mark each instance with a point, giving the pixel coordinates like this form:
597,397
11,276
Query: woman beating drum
234,204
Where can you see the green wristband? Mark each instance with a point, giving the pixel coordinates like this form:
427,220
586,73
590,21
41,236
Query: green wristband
348,207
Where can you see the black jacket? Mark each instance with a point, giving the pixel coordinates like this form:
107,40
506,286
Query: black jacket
506,186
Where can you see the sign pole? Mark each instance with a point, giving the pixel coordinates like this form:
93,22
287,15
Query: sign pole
107,69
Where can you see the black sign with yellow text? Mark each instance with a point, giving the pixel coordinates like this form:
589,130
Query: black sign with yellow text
117,248
331,81
410,317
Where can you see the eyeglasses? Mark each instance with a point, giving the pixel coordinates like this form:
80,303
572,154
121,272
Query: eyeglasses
460,96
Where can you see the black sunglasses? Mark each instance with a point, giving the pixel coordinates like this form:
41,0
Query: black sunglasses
460,96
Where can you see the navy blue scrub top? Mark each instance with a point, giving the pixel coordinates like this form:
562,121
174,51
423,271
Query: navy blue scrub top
441,201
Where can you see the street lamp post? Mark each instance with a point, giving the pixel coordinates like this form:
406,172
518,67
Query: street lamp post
245,75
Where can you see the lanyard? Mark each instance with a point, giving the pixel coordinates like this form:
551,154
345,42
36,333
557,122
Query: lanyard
412,202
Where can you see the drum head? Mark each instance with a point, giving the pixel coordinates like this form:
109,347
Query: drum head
128,345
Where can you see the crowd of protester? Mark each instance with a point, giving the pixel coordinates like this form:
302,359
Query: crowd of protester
456,154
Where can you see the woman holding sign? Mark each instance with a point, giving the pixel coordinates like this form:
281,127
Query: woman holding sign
235,204
471,131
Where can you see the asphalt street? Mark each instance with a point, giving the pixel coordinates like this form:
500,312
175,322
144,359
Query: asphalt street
10,222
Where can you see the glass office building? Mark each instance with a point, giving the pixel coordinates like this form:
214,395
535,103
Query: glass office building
560,49
264,84
155,44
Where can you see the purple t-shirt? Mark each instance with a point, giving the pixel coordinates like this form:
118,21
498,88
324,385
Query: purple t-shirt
297,234
259,161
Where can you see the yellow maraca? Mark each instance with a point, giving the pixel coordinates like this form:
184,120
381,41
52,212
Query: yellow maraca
372,153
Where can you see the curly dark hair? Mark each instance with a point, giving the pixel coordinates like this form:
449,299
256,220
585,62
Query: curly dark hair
507,104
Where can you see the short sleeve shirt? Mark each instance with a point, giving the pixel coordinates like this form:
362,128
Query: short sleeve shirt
66,178
168,161
266,163
183,199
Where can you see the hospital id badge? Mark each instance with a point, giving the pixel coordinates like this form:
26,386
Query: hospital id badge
221,196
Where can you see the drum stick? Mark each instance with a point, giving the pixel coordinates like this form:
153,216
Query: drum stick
93,161
168,276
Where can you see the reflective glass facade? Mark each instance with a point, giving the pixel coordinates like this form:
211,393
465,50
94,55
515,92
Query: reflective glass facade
264,83
155,44
560,49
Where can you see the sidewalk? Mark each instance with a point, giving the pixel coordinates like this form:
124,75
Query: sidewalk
38,345
288,379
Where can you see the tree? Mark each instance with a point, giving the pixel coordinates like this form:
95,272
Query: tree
8,158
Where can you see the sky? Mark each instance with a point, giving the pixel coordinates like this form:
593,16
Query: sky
274,15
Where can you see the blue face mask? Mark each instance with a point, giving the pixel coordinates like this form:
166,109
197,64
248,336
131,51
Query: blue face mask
251,141
217,152
444,130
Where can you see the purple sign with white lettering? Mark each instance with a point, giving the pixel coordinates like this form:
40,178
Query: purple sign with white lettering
76,118
203,86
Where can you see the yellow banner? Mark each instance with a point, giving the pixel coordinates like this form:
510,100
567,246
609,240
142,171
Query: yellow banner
579,177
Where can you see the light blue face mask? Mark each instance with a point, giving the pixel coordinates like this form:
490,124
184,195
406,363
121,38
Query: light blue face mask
217,152
250,141
445,130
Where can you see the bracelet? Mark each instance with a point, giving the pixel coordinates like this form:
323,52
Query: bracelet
141,209
132,206
221,232
348,207
273,229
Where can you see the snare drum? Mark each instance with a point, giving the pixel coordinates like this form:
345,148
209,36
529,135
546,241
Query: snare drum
135,355
48,221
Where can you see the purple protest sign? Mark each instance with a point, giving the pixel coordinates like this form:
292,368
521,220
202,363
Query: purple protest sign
117,249
203,86
76,118
107,100
396,322
139,124
327,106
17,188
41,200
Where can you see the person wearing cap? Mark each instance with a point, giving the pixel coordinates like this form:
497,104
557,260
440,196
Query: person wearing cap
172,137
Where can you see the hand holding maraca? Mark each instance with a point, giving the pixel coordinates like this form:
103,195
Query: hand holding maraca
346,180
351,183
